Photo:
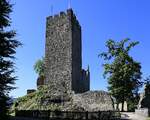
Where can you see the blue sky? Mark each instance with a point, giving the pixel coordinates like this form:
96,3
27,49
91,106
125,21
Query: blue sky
100,20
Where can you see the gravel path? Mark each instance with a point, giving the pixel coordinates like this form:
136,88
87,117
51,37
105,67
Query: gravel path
131,116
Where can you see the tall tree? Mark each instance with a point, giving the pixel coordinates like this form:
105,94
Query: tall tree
121,70
8,45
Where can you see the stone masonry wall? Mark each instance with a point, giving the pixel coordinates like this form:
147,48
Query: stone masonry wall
85,81
76,55
58,54
63,53
94,101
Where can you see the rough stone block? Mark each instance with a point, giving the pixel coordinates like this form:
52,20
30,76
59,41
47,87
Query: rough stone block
29,91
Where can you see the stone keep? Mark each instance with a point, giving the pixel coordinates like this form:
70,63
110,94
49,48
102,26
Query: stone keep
63,54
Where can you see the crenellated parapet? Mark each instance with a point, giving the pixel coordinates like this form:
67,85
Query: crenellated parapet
69,14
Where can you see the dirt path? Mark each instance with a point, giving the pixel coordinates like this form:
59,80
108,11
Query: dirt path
131,116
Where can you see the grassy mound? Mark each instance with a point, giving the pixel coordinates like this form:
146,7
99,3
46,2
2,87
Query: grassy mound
33,101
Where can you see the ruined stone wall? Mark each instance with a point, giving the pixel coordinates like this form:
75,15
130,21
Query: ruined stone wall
93,101
85,81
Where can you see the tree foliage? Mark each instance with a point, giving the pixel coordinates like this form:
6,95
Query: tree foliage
147,85
39,67
121,70
8,45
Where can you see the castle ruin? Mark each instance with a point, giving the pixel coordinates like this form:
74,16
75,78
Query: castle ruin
66,84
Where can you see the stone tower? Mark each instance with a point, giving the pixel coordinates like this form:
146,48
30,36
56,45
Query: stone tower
63,54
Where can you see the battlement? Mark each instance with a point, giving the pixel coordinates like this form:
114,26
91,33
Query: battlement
69,13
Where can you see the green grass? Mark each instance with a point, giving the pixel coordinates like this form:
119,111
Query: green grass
148,118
